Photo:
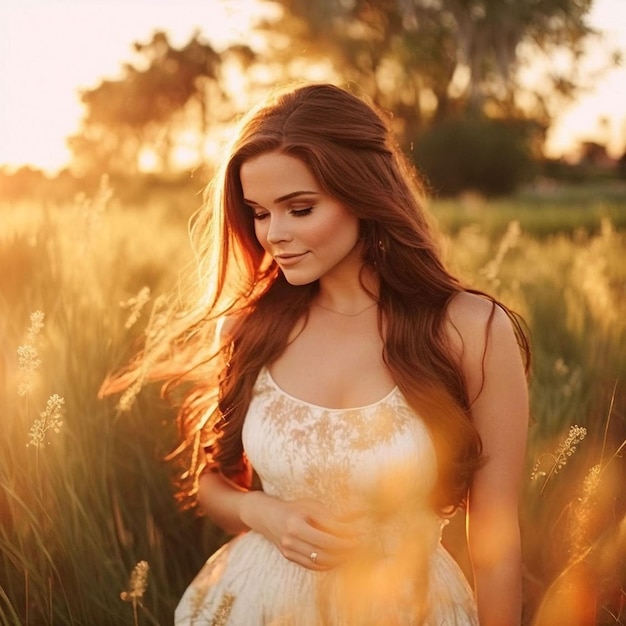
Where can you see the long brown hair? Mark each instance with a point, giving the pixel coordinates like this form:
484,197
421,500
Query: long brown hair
351,151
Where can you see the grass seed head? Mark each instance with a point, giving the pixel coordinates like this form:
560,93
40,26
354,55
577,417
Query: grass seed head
138,583
560,456
49,419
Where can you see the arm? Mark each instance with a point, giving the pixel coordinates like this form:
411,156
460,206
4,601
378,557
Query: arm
297,528
500,414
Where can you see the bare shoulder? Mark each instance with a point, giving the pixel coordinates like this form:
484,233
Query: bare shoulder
470,318
482,338
468,309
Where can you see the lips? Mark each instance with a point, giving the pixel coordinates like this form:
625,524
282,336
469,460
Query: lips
289,259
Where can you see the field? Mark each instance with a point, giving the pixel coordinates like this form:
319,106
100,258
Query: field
86,493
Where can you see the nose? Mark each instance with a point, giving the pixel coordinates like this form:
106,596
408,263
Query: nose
278,230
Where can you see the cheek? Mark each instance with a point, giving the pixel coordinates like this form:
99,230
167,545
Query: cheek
344,229
337,225
260,231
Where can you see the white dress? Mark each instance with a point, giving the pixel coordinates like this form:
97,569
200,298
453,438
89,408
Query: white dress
377,459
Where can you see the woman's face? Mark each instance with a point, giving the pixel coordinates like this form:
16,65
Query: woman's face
309,233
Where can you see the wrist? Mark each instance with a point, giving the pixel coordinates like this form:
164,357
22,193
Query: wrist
249,508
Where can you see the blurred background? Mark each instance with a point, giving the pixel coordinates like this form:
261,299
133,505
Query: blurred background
150,88
112,119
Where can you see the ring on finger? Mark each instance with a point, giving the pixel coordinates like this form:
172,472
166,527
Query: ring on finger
313,557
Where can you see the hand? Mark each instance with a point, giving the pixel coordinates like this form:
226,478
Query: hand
304,531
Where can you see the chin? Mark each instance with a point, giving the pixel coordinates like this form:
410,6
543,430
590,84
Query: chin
298,281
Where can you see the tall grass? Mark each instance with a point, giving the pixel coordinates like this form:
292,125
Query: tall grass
80,510
571,289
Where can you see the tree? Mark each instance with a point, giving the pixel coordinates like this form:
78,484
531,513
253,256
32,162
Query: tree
167,92
441,65
427,59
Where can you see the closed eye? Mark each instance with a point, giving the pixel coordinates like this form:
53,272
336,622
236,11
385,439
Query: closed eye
301,212
259,215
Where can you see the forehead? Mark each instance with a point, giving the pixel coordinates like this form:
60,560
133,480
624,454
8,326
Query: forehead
275,174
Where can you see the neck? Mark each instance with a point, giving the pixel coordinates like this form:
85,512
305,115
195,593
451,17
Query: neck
348,293
347,299
351,312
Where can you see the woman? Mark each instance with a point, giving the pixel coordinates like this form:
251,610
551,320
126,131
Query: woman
368,390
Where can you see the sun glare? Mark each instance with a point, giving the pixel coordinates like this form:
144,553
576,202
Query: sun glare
598,114
38,102
50,49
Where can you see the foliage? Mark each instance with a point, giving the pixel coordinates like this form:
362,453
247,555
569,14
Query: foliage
542,209
492,157
422,59
165,95
570,289
87,502
89,506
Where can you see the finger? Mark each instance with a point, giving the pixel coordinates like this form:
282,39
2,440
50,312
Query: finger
347,525
310,555
318,530
328,542
313,560
312,523
331,551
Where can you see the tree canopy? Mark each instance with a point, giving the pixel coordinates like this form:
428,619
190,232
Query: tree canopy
432,58
427,62
167,93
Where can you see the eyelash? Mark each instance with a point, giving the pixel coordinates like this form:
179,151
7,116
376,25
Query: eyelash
294,213
301,212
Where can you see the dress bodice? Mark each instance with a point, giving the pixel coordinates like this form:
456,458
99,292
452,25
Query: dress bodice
375,464
377,461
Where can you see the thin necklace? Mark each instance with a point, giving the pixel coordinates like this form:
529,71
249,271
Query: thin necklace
367,308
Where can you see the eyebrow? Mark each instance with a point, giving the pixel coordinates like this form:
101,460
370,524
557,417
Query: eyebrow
289,196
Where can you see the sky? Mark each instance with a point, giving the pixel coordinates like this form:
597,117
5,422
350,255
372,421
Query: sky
580,120
50,49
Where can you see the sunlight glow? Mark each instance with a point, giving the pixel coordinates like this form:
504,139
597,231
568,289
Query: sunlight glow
50,49
599,114
148,161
